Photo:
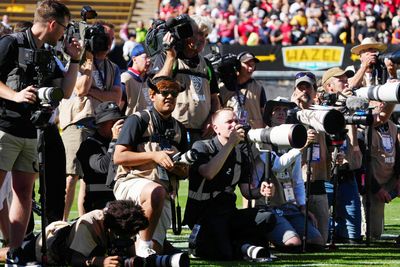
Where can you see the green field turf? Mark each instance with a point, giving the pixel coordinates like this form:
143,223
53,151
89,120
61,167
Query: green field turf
382,253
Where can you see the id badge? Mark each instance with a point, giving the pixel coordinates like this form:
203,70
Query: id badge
162,173
387,143
243,116
289,193
316,153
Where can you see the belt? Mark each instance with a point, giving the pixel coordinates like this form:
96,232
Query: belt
97,188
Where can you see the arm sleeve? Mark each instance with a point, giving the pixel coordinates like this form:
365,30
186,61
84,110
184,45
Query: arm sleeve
100,162
131,131
117,78
283,162
298,183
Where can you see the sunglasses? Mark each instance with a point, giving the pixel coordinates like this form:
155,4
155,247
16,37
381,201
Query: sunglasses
62,25
164,93
308,74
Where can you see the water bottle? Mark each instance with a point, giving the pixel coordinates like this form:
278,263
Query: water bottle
193,239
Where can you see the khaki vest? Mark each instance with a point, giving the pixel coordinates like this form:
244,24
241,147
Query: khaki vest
319,170
383,154
252,93
148,170
194,104
76,108
136,93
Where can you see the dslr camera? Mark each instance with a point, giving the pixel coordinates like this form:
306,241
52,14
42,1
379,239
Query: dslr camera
180,28
94,36
48,98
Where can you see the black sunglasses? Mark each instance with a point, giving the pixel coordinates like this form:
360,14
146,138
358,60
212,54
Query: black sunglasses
165,93
62,25
302,74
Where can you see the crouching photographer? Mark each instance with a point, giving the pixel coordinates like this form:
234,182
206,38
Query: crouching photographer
220,231
147,173
26,66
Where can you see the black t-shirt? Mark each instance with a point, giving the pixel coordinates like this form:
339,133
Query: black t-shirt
15,117
135,126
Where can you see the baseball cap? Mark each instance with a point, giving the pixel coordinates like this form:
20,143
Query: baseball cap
136,51
335,72
107,111
247,56
307,77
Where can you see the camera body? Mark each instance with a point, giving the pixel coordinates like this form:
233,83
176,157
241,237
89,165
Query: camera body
393,56
179,27
226,67
94,36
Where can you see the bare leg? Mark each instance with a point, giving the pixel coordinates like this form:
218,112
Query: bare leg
152,201
69,194
5,222
21,205
81,197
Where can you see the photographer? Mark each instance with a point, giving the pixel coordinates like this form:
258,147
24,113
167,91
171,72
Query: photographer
18,91
147,175
225,231
133,81
370,68
288,202
99,81
95,154
349,159
304,95
200,100
248,97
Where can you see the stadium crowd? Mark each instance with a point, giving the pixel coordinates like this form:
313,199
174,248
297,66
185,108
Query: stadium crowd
129,135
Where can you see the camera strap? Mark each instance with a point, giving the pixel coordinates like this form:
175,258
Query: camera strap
176,213
102,78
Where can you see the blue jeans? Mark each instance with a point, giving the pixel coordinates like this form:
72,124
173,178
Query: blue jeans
348,208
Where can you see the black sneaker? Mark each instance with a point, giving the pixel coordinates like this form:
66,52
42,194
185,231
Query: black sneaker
15,258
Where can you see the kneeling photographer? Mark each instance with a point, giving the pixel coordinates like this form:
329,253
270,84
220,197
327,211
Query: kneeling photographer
147,173
220,231
26,69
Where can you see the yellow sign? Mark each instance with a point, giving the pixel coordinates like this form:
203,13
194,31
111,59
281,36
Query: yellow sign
270,57
312,57
15,8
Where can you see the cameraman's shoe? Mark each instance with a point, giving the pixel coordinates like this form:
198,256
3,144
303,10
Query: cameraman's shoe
15,258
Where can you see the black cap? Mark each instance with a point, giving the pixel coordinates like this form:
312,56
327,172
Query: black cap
107,111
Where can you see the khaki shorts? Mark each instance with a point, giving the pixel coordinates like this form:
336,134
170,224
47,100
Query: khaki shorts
131,189
72,137
18,154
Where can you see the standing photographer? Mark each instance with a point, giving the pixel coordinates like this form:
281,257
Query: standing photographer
200,100
147,175
18,92
304,95
349,159
248,97
99,81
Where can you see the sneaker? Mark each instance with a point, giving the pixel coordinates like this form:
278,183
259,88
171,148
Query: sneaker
15,259
144,252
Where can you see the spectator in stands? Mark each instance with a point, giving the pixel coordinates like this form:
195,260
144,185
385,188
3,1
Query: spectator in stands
313,34
325,37
369,30
141,31
226,29
5,22
298,36
135,95
96,152
129,45
99,81
19,93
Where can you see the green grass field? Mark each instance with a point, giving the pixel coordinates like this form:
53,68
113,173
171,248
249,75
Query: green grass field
382,253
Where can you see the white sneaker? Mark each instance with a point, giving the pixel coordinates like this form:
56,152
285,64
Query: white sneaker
144,252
